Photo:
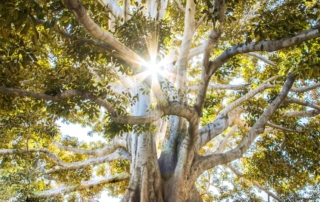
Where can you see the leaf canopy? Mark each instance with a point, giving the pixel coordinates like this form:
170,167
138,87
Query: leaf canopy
44,49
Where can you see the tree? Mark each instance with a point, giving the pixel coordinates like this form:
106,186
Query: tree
158,80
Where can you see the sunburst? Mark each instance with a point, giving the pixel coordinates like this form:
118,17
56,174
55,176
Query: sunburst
156,69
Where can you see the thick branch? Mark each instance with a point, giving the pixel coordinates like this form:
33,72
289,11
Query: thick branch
240,175
82,16
148,118
82,185
220,5
268,46
119,154
282,128
126,10
308,113
212,130
196,51
210,161
213,39
189,28
115,143
185,111
305,89
205,79
173,108
296,101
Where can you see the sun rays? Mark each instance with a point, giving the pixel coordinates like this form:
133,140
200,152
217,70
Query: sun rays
158,72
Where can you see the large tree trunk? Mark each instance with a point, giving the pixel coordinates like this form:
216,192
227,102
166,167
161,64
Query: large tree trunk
153,179
145,182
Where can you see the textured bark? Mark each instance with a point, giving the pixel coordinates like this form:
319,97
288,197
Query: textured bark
145,181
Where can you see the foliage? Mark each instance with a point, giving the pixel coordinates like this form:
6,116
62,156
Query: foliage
44,49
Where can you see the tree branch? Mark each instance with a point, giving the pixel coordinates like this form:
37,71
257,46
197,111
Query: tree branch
148,118
189,28
221,123
115,143
265,85
200,21
308,113
51,155
196,51
260,57
282,128
182,110
98,44
126,10
205,79
119,154
268,46
82,16
224,142
113,7
207,162
296,101
209,44
173,108
240,175
180,6
64,95
305,89
220,87
82,185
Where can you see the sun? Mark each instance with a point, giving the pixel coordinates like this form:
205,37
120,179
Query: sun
153,69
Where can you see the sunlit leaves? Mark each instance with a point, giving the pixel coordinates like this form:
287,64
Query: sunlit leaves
136,32
44,49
